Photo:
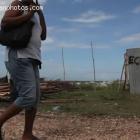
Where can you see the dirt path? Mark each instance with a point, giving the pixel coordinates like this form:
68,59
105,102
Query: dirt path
71,127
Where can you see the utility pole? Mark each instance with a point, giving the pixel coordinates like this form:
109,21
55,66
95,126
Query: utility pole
93,64
64,73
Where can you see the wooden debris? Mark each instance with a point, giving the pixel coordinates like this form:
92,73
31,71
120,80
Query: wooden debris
47,87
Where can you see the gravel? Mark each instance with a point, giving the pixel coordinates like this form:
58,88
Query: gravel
62,126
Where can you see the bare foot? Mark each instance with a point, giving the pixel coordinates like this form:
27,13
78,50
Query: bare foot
29,138
35,138
26,137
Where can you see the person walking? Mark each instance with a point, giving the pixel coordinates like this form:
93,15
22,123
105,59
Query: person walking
23,65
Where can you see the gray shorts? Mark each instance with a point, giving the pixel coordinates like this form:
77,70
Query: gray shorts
24,74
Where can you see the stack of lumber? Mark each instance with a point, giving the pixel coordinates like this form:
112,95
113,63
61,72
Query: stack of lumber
47,87
55,86
4,89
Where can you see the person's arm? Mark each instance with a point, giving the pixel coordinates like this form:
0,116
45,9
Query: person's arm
13,18
43,25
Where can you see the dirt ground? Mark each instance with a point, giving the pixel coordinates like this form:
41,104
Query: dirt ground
56,126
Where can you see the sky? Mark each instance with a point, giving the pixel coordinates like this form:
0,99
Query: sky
112,25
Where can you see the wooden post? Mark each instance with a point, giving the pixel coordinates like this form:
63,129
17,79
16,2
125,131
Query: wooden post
120,82
93,64
125,72
64,73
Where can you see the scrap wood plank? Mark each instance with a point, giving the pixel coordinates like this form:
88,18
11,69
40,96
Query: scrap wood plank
4,93
6,90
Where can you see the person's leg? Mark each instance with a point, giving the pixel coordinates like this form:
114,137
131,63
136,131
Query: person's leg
29,121
31,114
11,111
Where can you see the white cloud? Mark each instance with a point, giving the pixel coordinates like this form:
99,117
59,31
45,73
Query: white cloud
136,10
55,29
50,28
49,40
67,30
90,17
130,38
